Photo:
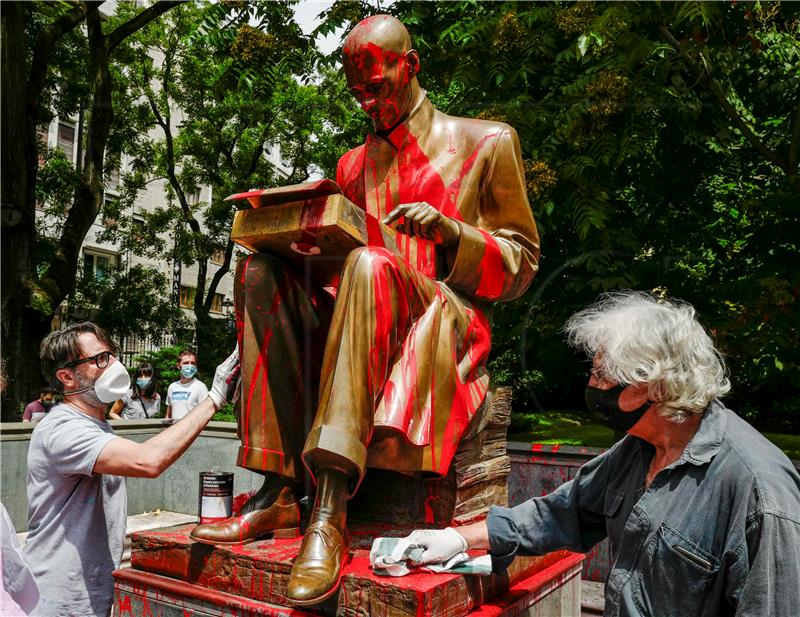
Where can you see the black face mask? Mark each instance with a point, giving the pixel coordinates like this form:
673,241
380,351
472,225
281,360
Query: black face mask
604,404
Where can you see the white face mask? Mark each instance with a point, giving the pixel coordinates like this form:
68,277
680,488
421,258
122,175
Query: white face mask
112,384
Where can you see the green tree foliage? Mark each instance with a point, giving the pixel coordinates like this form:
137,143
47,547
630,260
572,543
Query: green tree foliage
661,153
57,59
128,303
216,87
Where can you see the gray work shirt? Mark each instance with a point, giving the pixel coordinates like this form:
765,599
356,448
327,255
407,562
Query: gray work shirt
716,533
76,518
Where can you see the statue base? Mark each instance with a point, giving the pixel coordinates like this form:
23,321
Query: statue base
172,575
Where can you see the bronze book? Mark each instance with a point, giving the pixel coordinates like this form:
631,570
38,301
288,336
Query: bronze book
311,223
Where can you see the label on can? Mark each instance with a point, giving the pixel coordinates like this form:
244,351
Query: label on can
215,502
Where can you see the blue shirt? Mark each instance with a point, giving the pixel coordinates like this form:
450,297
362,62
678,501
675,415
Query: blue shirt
716,533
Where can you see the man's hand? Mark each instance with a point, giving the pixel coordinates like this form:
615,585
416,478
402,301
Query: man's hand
225,375
425,221
439,544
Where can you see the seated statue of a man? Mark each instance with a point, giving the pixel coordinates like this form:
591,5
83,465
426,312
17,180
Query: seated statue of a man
407,335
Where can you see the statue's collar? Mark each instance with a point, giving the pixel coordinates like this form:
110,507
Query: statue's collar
417,124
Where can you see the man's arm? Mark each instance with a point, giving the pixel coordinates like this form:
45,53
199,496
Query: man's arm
763,582
169,403
123,457
570,517
476,535
27,415
499,259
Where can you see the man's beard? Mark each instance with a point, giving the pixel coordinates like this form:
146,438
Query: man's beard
89,396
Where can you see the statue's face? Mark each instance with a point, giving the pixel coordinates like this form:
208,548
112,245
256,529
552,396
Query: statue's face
380,80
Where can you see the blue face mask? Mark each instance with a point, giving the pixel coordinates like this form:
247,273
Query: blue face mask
188,370
143,382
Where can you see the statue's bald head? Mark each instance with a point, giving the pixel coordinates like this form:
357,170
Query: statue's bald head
383,31
381,69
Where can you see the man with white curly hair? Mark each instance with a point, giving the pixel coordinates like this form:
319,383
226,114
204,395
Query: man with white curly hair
702,513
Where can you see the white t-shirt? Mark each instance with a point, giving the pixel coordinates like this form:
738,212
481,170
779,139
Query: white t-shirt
76,518
183,397
140,408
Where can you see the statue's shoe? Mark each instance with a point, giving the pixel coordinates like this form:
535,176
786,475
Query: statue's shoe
317,570
280,520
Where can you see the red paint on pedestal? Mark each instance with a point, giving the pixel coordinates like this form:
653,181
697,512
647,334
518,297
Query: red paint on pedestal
258,573
532,588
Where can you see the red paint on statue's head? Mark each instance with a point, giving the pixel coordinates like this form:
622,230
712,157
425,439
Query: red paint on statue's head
381,70
382,81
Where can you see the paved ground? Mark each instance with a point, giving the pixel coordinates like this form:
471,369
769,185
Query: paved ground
592,600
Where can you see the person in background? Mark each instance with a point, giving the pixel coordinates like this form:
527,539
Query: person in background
184,394
701,511
36,410
77,465
142,401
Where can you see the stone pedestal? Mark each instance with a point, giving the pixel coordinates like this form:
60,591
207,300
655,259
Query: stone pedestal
174,576
477,479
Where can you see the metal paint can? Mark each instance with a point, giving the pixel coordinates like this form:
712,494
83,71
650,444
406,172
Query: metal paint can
215,502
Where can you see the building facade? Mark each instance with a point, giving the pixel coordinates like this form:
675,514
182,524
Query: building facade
98,256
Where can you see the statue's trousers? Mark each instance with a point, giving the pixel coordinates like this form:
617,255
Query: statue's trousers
402,353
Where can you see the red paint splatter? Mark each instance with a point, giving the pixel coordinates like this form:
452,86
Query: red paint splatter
124,604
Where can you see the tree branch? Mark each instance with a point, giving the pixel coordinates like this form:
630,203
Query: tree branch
718,92
132,26
251,168
154,109
223,270
88,194
46,41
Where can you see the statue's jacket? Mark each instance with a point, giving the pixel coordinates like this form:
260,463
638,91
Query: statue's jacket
472,171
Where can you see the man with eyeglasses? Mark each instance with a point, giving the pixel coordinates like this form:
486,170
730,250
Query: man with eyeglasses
77,501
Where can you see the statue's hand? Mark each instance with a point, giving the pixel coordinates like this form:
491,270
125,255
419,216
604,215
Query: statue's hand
223,378
423,220
439,544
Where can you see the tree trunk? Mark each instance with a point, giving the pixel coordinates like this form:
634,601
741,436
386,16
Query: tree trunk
22,325
62,273
28,302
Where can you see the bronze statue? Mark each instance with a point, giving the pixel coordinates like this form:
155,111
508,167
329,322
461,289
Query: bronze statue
408,332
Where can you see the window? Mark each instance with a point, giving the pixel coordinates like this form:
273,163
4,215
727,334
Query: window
110,208
216,303
193,198
218,257
113,180
187,296
137,228
99,265
66,140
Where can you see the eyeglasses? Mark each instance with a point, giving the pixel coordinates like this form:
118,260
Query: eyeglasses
101,360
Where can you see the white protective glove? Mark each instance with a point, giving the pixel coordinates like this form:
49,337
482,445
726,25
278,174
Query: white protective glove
440,544
224,376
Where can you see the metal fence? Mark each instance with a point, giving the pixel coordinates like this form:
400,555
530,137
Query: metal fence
133,346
